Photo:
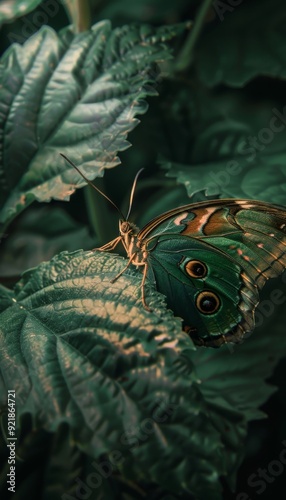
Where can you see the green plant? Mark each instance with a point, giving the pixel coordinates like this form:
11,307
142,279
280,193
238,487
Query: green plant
114,401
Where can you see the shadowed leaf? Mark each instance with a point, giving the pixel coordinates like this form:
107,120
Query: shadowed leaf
240,51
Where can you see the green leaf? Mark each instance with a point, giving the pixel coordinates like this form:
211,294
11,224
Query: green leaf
71,342
233,154
233,178
6,298
72,94
11,9
235,49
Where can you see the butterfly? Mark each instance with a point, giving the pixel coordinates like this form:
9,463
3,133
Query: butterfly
210,260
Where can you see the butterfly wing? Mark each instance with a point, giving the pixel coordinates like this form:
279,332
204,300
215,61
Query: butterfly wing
211,259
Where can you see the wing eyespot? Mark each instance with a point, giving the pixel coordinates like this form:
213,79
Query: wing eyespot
196,269
207,302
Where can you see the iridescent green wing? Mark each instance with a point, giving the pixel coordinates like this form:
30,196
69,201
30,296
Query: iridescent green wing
211,259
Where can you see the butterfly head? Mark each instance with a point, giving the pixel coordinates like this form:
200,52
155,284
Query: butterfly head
127,228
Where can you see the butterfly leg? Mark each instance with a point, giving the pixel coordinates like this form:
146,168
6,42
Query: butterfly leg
109,246
124,269
143,287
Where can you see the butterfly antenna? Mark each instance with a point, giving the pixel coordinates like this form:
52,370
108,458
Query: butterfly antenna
132,193
93,185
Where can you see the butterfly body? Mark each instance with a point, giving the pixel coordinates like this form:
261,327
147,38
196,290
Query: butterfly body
210,260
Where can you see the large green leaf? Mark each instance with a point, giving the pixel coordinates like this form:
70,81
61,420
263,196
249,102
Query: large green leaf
11,9
74,94
235,48
234,177
80,350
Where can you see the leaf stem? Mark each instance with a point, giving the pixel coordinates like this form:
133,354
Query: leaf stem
79,14
184,60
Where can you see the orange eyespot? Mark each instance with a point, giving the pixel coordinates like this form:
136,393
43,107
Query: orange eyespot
207,302
196,269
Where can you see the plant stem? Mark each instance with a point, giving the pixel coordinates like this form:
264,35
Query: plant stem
79,14
184,60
